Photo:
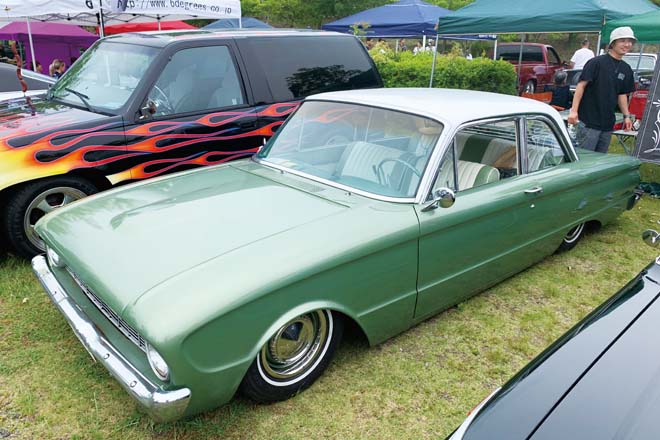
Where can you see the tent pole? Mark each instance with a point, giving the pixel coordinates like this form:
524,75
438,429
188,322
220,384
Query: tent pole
423,42
639,58
101,20
396,48
598,44
522,40
34,60
435,54
495,50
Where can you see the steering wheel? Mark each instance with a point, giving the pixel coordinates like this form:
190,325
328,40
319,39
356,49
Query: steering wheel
163,104
380,173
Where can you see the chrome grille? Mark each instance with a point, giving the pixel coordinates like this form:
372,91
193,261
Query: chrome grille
121,325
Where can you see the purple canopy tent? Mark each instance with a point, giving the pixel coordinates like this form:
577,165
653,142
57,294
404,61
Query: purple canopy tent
51,40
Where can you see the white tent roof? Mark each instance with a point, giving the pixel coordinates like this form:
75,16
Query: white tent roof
84,12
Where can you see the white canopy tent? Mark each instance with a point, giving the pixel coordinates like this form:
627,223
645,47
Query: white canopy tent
88,12
100,13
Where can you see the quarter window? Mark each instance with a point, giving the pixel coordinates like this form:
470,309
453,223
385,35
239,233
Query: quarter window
197,79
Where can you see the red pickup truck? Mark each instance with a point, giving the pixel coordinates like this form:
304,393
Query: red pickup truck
539,64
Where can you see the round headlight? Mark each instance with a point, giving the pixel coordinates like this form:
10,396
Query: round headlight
54,259
157,363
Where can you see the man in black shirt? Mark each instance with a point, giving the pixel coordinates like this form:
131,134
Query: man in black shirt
605,82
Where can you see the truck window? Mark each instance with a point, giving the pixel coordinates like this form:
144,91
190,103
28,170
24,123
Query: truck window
553,58
296,67
529,53
197,79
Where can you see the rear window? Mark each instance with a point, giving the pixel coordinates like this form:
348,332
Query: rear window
529,53
296,67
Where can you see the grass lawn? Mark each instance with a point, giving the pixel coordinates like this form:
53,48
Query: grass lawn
417,385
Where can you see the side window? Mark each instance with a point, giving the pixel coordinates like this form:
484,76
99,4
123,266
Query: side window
300,66
533,54
197,79
553,58
543,148
487,153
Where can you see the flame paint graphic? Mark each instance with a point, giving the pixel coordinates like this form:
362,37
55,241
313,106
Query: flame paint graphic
138,152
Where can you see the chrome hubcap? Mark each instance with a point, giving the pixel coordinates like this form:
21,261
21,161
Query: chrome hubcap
296,346
43,204
574,233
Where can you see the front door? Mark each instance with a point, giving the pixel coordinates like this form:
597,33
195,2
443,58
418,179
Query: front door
488,234
196,113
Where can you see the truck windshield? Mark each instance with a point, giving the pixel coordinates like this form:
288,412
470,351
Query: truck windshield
105,76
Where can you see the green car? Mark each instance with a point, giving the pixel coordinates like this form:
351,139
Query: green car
379,208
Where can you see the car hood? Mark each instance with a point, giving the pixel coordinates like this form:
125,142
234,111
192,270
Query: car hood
33,138
124,242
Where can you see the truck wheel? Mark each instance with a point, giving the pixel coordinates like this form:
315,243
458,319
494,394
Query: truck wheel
34,200
529,87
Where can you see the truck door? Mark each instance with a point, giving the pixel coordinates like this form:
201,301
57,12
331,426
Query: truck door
195,113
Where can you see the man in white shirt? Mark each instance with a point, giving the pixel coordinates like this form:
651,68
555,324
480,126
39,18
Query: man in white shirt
581,56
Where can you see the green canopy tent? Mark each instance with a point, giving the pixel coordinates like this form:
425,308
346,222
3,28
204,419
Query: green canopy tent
515,16
645,26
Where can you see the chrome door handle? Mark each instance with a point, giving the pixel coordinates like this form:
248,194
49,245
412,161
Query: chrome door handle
535,190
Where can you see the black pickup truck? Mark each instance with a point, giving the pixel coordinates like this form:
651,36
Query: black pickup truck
140,105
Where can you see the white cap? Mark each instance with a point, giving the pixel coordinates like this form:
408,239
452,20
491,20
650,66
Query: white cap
622,32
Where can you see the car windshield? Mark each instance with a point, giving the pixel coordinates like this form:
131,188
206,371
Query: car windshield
382,152
105,76
646,62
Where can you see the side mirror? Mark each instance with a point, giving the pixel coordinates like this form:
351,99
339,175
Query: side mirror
148,110
443,198
651,237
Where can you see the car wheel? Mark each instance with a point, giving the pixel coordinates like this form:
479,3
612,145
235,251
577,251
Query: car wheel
34,200
572,237
529,87
294,357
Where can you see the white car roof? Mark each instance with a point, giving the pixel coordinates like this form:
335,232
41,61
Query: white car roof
444,105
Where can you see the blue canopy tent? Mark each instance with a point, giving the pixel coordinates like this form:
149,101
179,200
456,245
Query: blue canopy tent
405,18
232,23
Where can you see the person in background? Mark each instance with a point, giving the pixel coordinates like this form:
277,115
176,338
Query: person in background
418,48
57,68
38,68
561,93
582,55
604,83
402,45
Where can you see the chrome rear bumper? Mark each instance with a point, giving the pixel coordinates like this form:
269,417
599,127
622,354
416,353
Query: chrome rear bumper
161,405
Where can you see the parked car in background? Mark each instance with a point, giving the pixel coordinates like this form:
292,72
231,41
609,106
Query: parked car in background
141,105
600,380
376,207
643,61
9,81
539,64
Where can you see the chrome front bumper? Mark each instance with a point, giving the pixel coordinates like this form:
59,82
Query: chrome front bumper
161,405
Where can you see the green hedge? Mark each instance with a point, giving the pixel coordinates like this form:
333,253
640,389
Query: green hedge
454,72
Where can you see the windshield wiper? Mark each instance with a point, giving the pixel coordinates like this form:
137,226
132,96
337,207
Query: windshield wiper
82,97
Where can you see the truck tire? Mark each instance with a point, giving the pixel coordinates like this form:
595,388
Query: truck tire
529,87
34,200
